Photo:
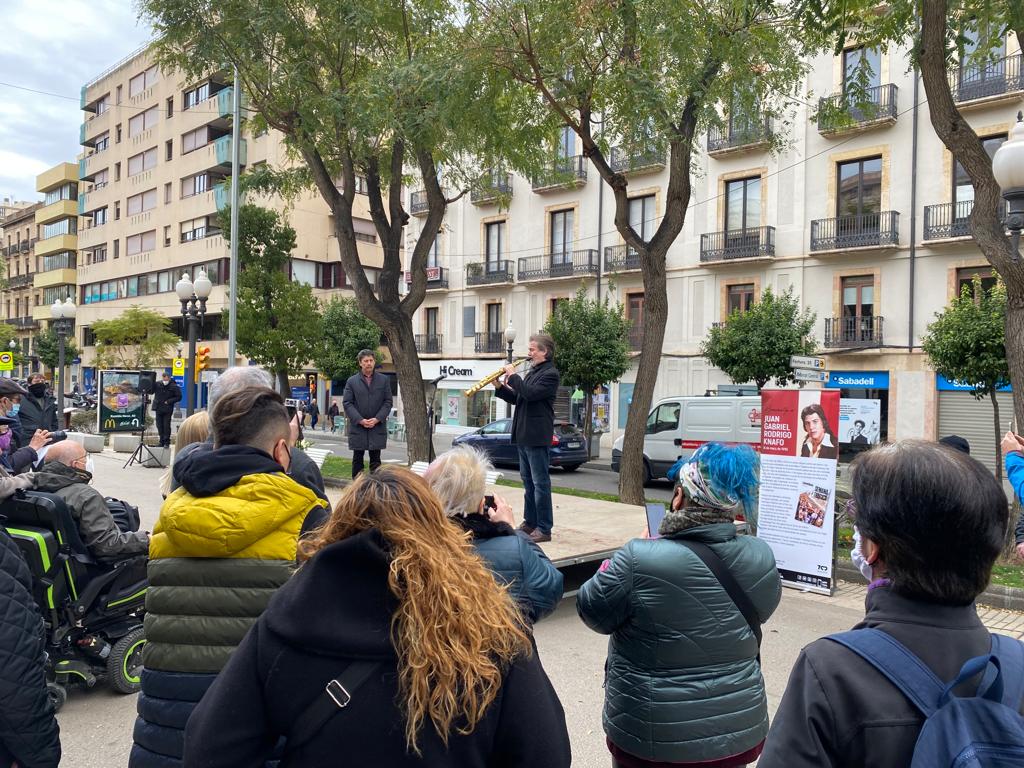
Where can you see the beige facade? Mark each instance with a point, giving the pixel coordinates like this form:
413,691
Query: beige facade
20,233
830,217
154,168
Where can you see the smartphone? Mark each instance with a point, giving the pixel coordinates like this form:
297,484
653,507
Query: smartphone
292,406
655,513
489,503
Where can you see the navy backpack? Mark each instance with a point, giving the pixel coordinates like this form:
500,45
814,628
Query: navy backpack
981,731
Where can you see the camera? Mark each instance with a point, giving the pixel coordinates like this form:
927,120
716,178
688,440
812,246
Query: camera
56,437
490,503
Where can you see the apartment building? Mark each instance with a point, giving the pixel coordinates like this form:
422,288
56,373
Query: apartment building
9,206
20,233
830,217
153,181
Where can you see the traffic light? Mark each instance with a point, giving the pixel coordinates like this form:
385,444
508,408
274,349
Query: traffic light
202,361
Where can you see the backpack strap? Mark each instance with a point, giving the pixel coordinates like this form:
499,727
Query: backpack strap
1010,653
336,696
904,670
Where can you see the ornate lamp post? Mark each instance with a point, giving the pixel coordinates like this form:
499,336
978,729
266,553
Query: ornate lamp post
13,345
510,337
193,298
63,320
1008,168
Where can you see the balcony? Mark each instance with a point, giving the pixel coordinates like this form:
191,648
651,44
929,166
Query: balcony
490,188
620,258
57,243
23,323
52,277
948,220
991,81
418,205
879,109
853,332
643,159
756,243
437,277
489,342
864,230
54,177
558,265
62,209
738,135
24,246
19,281
222,148
636,337
489,273
429,343
562,173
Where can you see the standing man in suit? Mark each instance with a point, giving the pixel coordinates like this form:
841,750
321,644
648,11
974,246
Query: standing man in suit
166,395
533,426
367,403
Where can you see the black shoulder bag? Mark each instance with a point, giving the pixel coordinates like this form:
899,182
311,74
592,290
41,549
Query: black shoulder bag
732,588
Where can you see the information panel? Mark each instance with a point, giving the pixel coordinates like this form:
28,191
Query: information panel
121,407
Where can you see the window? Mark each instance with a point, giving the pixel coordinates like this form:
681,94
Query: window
120,91
117,171
144,201
858,308
167,192
303,272
195,96
963,191
170,106
740,297
561,237
430,321
860,189
856,61
494,319
641,216
102,142
169,149
635,309
167,236
63,192
664,418
142,121
62,260
566,142
56,293
99,217
974,78
99,181
328,275
495,245
145,241
117,248
142,162
965,279
62,227
556,302
99,254
142,81
196,229
432,254
117,134
193,185
117,210
743,204
194,139
102,104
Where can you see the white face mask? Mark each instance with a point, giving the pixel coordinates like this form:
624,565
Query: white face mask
89,466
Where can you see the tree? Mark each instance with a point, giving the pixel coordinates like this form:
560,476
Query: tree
47,347
648,77
966,343
278,319
376,89
591,345
135,340
346,331
946,34
756,345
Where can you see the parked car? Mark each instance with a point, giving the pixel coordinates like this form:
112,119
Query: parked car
568,445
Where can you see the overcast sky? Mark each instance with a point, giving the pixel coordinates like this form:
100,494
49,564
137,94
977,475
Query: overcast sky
54,46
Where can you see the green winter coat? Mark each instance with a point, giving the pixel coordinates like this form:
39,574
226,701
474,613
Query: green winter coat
682,683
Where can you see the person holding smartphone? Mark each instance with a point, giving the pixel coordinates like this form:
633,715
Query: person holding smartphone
1013,456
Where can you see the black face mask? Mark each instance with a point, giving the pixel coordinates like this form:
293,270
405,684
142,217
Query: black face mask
37,390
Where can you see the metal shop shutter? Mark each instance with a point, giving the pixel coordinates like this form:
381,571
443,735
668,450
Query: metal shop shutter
960,414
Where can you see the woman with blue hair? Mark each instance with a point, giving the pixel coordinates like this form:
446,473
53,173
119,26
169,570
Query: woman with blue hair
683,684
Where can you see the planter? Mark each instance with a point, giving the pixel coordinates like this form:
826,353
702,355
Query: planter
163,458
91,443
122,443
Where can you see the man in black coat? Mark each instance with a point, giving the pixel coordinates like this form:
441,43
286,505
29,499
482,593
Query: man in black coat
367,403
166,394
29,735
38,407
533,426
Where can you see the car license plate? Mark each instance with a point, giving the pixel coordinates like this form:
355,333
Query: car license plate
572,445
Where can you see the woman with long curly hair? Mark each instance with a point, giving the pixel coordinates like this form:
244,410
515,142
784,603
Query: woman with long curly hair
392,645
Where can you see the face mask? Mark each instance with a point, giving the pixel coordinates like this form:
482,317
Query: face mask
5,441
38,389
89,467
15,408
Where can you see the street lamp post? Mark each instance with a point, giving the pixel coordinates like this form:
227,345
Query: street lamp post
1008,168
63,316
193,298
14,348
510,338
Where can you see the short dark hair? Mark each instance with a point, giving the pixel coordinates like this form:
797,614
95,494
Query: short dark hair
937,515
546,343
364,353
817,409
252,416
861,422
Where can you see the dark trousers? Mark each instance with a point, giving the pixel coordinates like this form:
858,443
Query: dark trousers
533,468
163,427
357,462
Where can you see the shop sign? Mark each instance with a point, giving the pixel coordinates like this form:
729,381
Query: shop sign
946,385
858,380
452,369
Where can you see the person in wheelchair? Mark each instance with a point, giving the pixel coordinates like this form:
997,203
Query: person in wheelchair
64,474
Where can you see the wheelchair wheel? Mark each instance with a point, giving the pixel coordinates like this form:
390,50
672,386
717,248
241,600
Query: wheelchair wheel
57,694
124,665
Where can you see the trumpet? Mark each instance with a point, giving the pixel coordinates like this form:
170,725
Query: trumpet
492,377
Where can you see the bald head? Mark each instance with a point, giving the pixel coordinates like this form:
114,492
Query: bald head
66,452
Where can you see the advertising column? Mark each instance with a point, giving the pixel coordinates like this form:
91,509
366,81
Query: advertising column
796,509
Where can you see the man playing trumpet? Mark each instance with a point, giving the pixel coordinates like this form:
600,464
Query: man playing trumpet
533,426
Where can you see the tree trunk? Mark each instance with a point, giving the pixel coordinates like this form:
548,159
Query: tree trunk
402,344
588,425
283,385
998,436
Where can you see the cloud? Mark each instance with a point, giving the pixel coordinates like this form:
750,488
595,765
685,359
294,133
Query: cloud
55,46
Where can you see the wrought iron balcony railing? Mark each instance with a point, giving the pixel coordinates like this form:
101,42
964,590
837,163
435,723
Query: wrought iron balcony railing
19,281
738,244
993,78
879,106
620,258
636,337
853,332
639,159
556,265
429,343
22,322
489,272
738,134
418,202
490,188
562,172
489,342
437,277
864,230
948,220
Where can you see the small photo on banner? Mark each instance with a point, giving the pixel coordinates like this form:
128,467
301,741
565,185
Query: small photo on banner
796,503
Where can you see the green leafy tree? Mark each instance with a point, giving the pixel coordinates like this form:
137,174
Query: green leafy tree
377,90
591,345
278,319
966,342
756,345
135,340
638,82
47,347
346,331
945,35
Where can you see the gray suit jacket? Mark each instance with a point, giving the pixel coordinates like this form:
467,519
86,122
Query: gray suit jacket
362,402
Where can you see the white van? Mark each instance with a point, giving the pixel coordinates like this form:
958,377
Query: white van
677,426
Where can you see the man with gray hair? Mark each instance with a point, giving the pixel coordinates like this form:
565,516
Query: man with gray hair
303,469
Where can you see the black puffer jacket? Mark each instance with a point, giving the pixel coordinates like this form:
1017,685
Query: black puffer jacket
28,729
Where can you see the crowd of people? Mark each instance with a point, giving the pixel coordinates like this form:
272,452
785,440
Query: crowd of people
397,628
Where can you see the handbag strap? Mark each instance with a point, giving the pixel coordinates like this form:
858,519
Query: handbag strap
336,696
720,571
